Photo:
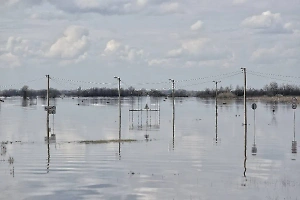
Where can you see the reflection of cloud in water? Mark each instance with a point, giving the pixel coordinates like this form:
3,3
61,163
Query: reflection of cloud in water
274,120
260,168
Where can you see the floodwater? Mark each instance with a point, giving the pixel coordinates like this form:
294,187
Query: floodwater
190,165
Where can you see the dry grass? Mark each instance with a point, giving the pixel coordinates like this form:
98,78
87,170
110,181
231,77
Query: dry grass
106,141
280,99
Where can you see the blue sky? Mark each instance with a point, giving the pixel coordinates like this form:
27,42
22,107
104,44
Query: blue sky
148,41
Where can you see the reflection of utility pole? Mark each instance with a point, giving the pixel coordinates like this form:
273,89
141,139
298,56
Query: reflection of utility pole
48,158
216,82
48,87
173,96
294,125
119,91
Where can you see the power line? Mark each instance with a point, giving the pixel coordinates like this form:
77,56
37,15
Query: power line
5,86
264,76
63,83
270,74
212,76
84,82
235,74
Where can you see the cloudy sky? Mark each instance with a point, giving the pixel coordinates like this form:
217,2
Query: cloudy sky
148,41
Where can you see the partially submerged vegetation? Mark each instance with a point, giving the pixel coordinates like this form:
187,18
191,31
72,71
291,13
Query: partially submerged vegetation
106,141
269,90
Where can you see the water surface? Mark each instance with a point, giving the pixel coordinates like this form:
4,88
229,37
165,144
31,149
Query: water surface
190,165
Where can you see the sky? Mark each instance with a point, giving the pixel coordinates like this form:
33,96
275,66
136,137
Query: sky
147,42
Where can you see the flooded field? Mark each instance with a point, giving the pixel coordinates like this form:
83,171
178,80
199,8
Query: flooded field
155,159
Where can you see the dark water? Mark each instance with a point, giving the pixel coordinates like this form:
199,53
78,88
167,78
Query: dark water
192,165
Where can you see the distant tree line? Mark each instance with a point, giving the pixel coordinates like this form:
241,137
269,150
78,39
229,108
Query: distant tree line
271,89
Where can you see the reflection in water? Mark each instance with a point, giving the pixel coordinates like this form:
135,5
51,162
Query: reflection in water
294,146
11,162
119,122
274,120
245,157
173,120
120,140
245,151
10,159
216,123
173,142
294,142
3,149
48,158
24,103
200,169
144,112
29,102
254,148
48,140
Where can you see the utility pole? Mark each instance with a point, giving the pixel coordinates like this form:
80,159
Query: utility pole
245,119
119,90
48,87
173,98
216,82
245,101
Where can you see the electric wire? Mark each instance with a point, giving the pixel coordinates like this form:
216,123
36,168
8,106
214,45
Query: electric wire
235,74
6,86
64,83
264,76
270,74
84,82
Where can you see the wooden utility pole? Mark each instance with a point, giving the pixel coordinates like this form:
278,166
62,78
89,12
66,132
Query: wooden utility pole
245,100
48,87
216,82
173,99
119,91
245,119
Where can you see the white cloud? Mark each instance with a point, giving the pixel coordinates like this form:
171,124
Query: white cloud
103,7
71,45
74,61
239,1
22,47
131,54
194,45
175,52
48,15
267,21
264,53
17,45
119,51
18,49
277,54
196,26
160,62
12,3
172,7
199,52
87,4
141,2
9,60
112,46
199,48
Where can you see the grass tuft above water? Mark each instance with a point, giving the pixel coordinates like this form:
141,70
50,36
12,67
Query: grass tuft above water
106,141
